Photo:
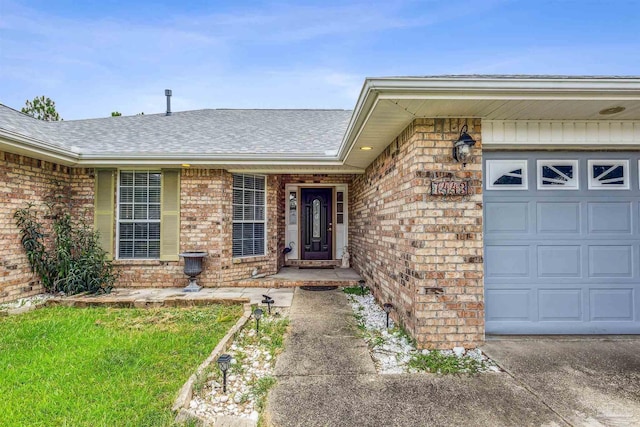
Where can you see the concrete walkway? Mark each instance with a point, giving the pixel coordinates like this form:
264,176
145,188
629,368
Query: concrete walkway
327,378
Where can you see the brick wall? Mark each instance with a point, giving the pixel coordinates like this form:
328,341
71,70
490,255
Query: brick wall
205,219
206,225
22,180
423,253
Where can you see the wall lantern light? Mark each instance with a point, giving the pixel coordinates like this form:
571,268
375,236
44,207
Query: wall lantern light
387,309
223,363
462,147
257,313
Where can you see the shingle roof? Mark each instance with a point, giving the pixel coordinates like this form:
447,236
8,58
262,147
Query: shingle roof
219,131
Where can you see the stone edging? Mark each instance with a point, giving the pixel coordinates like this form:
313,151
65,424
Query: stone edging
21,310
186,392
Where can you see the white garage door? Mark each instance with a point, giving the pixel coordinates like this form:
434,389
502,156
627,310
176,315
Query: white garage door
562,242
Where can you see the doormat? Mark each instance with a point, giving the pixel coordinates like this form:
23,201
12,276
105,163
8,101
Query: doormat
318,288
316,267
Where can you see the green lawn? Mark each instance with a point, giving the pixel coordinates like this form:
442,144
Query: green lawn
102,367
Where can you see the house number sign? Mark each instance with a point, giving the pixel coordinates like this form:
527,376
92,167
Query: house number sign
449,188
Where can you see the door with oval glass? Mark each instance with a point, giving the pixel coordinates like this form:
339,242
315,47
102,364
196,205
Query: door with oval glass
316,223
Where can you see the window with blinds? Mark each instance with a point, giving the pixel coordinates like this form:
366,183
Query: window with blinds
139,214
249,215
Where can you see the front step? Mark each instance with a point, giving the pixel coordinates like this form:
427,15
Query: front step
313,263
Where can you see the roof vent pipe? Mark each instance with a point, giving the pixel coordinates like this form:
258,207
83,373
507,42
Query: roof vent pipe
167,93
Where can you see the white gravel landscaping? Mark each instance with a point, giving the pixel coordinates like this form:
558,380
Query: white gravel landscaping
251,370
391,349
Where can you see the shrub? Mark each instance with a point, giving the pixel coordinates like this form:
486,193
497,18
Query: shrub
69,259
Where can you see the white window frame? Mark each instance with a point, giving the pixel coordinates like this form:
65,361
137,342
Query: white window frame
594,185
491,165
564,162
118,220
263,221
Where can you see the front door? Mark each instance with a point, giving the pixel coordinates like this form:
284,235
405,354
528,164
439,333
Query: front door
316,223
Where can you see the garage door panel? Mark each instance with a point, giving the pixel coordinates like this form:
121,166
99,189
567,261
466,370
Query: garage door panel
508,217
558,217
563,262
559,261
507,261
611,261
610,217
560,304
508,304
612,304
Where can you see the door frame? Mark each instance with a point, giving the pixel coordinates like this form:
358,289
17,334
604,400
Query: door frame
336,187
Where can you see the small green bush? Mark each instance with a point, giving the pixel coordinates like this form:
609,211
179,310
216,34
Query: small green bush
69,259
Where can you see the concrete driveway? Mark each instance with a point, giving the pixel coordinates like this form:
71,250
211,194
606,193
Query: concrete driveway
327,378
585,381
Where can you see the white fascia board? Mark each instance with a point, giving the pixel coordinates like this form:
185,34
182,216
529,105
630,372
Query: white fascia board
631,84
14,142
469,87
179,158
361,113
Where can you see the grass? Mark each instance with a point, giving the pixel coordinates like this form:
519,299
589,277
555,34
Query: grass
355,290
102,367
438,363
271,336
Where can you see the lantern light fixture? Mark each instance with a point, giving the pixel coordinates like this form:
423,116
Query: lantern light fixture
462,147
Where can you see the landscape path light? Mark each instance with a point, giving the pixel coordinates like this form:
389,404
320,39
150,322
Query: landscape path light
361,282
223,363
268,300
387,309
257,313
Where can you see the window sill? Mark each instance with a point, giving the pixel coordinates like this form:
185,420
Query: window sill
249,259
137,262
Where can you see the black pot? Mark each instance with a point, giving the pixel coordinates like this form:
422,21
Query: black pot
192,268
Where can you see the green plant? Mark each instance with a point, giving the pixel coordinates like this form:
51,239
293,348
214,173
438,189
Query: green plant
69,259
260,389
355,290
438,363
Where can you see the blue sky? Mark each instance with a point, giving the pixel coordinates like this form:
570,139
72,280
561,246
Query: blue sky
96,57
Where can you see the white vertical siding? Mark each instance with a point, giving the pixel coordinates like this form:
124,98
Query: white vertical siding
557,133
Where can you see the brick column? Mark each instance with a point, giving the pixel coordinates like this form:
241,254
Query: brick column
423,252
449,306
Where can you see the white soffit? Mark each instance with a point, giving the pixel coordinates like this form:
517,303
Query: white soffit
386,106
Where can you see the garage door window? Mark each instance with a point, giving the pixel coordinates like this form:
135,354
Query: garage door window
557,174
506,174
608,174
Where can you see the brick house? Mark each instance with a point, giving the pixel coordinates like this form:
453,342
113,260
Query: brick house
537,231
